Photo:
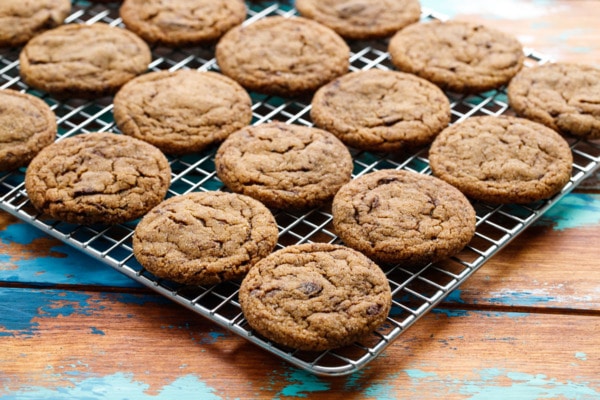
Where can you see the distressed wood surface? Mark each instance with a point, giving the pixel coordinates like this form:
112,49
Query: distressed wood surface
525,326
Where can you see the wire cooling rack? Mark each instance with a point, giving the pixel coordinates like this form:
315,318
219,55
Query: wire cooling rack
415,290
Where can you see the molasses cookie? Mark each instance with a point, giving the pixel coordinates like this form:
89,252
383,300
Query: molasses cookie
87,61
366,19
315,296
502,159
27,125
562,96
282,56
457,56
21,20
182,23
381,110
183,111
97,178
397,216
284,166
204,238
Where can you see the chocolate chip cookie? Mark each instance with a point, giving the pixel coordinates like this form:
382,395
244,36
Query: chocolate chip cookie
282,56
315,296
381,110
86,61
362,19
182,23
21,20
97,178
457,56
183,111
562,96
502,159
204,238
27,125
283,165
397,216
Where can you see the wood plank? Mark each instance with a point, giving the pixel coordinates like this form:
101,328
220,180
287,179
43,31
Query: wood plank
142,346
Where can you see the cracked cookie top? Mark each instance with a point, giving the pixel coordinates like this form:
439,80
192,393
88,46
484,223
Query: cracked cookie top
182,22
315,296
283,56
284,165
204,238
183,111
562,96
381,110
97,178
397,216
502,159
80,60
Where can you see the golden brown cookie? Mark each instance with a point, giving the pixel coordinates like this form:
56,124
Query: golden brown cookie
182,22
397,216
562,96
381,110
27,125
282,56
362,19
283,165
183,111
315,296
20,20
502,159
204,238
87,61
97,178
457,56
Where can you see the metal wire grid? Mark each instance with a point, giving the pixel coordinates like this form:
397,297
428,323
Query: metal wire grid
415,290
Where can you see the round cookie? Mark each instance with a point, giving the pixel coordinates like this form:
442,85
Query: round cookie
203,238
182,23
502,159
381,110
283,56
27,125
183,111
97,178
457,56
21,20
397,216
364,19
315,296
284,166
86,61
562,96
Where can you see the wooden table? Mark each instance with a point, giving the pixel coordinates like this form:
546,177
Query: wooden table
526,325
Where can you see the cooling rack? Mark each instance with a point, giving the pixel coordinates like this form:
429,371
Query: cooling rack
416,290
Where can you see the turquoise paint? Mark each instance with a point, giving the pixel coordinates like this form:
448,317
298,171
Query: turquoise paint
118,386
96,331
581,356
575,210
524,298
302,384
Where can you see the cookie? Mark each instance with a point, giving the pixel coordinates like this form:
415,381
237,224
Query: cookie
315,296
97,178
21,20
183,111
502,159
182,23
282,56
364,19
458,56
381,110
562,96
284,166
204,238
397,216
27,125
86,61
